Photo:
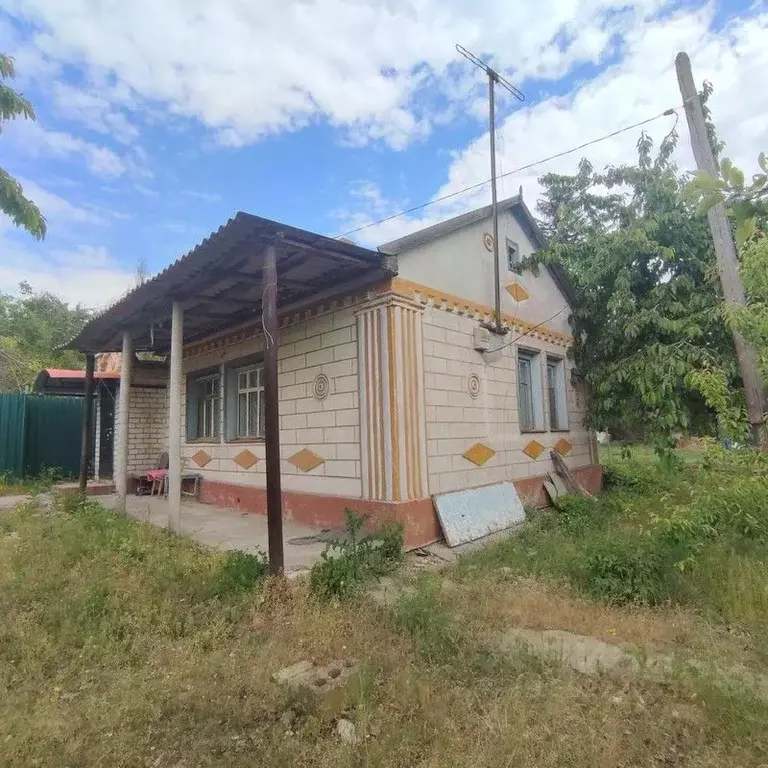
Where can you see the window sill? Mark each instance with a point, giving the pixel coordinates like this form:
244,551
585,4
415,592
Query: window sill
204,440
563,429
533,431
238,440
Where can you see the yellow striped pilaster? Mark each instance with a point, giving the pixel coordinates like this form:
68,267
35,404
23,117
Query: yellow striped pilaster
391,376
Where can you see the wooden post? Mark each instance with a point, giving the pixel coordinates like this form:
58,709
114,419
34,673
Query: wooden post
271,408
85,444
121,431
725,249
174,419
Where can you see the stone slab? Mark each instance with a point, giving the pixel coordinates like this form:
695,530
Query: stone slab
325,689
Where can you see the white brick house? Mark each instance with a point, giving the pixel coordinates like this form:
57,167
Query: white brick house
385,398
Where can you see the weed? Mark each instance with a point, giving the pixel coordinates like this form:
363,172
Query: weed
240,571
347,564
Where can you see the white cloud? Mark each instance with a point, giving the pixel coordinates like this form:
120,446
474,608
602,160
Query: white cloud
206,197
381,70
642,85
59,211
34,140
92,110
85,275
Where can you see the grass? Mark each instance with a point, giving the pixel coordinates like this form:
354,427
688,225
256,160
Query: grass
123,645
41,483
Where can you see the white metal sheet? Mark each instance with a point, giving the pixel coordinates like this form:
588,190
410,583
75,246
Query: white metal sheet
477,512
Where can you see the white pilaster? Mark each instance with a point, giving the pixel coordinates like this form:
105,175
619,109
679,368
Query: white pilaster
123,416
174,419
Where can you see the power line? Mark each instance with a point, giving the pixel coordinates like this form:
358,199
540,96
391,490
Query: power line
665,113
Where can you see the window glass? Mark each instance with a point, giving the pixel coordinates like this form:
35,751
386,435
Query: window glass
513,255
250,403
525,392
554,416
208,404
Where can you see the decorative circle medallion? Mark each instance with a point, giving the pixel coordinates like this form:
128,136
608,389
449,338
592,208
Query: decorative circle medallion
322,386
473,385
488,241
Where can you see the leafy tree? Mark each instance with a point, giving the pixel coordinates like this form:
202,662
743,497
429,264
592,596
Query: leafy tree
648,313
23,212
32,326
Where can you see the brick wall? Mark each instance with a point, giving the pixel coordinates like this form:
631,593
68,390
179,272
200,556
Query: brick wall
456,420
147,427
328,427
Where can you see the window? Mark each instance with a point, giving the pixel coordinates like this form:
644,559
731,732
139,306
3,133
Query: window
556,401
529,391
208,402
513,256
250,401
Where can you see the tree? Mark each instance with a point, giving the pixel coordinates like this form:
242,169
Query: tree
32,326
648,313
23,212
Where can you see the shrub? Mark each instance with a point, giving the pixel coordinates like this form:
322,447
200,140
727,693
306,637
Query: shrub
347,564
240,571
627,567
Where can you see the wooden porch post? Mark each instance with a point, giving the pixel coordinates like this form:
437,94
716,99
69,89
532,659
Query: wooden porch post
271,408
85,444
121,447
174,419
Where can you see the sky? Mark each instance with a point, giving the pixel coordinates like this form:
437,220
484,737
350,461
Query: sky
157,121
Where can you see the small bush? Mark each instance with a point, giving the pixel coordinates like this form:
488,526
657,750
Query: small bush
240,571
346,565
627,567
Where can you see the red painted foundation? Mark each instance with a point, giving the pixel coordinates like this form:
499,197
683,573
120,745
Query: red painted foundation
419,520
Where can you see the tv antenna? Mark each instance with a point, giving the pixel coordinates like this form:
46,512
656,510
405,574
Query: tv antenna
493,78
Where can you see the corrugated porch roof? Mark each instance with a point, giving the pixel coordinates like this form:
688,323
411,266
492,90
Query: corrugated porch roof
219,284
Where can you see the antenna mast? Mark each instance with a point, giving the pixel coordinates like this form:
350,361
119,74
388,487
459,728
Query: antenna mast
493,77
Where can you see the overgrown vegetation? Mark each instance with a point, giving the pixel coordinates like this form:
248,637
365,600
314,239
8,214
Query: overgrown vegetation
41,483
122,644
348,563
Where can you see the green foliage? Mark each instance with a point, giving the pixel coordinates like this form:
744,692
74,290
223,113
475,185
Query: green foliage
22,212
32,326
643,265
241,571
347,564
626,568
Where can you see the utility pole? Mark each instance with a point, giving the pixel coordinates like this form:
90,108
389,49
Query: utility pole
725,249
493,78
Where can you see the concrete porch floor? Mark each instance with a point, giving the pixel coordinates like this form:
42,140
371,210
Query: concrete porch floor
224,528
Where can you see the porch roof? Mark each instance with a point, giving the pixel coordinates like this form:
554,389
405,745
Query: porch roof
219,284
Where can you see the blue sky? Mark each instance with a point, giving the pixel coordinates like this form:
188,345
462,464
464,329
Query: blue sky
158,121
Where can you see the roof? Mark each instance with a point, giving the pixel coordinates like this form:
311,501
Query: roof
66,373
519,210
219,284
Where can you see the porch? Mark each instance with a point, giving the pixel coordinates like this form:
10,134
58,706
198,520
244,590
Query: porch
226,529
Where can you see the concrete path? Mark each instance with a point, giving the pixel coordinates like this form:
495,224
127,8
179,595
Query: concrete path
6,502
224,528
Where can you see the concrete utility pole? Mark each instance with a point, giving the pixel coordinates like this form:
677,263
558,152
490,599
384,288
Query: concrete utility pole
85,445
725,249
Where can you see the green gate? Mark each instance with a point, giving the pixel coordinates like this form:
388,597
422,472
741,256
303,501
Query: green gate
38,432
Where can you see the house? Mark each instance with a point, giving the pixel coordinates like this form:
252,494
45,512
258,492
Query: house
391,387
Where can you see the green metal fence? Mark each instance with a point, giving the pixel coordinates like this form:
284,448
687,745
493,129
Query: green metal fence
39,432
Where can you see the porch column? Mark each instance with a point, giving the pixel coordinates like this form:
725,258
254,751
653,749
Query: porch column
121,431
174,420
85,443
271,409
392,410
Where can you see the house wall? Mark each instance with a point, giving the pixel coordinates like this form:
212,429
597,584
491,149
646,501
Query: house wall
459,264
328,427
147,427
455,420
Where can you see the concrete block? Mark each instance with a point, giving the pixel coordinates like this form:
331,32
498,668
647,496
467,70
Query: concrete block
325,689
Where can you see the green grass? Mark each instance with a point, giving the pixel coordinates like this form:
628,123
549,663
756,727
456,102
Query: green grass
124,645
43,482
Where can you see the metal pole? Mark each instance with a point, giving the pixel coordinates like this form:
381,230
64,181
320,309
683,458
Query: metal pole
725,249
494,203
121,452
85,444
271,408
174,419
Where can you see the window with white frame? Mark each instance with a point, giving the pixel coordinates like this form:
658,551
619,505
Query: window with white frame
208,390
529,391
250,401
556,397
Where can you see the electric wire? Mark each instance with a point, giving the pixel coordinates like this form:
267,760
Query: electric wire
478,185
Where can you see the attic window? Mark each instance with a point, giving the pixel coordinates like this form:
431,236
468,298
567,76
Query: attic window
513,256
